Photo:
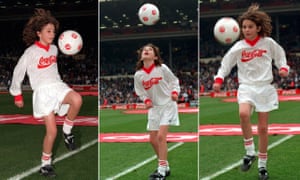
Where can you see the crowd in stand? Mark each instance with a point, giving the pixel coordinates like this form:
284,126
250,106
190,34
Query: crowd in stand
82,70
121,90
117,67
119,58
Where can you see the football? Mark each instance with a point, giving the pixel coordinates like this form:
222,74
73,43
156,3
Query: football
226,30
148,14
70,42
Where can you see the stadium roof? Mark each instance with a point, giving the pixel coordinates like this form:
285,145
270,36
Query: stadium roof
21,9
123,13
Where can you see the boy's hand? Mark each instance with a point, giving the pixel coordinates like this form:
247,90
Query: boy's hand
174,97
148,104
19,101
19,104
217,87
283,73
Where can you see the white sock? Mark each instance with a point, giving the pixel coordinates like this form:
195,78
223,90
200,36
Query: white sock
262,160
46,159
162,170
67,126
249,146
163,166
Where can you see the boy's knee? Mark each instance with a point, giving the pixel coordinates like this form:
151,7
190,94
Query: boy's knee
244,115
77,100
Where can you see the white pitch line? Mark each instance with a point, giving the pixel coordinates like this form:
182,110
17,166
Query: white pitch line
141,163
236,164
64,156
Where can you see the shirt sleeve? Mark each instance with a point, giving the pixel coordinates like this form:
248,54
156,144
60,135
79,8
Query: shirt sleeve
171,79
18,76
227,63
279,56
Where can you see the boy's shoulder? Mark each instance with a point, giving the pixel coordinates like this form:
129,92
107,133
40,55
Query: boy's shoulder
270,42
267,39
138,72
163,65
240,44
30,49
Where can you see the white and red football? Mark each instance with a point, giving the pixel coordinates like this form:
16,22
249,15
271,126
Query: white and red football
70,42
226,30
148,14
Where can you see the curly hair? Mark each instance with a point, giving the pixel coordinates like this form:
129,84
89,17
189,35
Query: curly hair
260,18
40,18
157,62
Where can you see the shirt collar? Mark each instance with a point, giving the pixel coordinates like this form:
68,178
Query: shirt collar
149,69
40,45
252,42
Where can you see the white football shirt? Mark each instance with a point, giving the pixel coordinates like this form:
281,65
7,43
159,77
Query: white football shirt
254,61
39,62
156,83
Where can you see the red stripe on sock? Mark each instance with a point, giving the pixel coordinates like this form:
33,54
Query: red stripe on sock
248,142
46,157
162,163
262,155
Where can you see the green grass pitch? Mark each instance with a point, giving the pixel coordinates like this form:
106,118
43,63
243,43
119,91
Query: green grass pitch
21,145
218,152
118,157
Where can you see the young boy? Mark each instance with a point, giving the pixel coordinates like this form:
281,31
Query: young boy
50,94
158,88
253,55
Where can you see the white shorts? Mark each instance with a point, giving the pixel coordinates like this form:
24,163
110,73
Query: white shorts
263,98
48,98
163,115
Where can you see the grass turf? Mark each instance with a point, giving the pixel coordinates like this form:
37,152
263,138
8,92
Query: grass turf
217,152
117,157
21,145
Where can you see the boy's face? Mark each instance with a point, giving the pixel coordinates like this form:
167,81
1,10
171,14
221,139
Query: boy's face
148,53
47,34
249,29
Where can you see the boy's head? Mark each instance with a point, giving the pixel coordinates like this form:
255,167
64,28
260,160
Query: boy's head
153,47
36,23
158,59
258,18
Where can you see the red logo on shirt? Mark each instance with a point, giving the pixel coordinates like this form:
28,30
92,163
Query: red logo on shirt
148,84
46,62
248,56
